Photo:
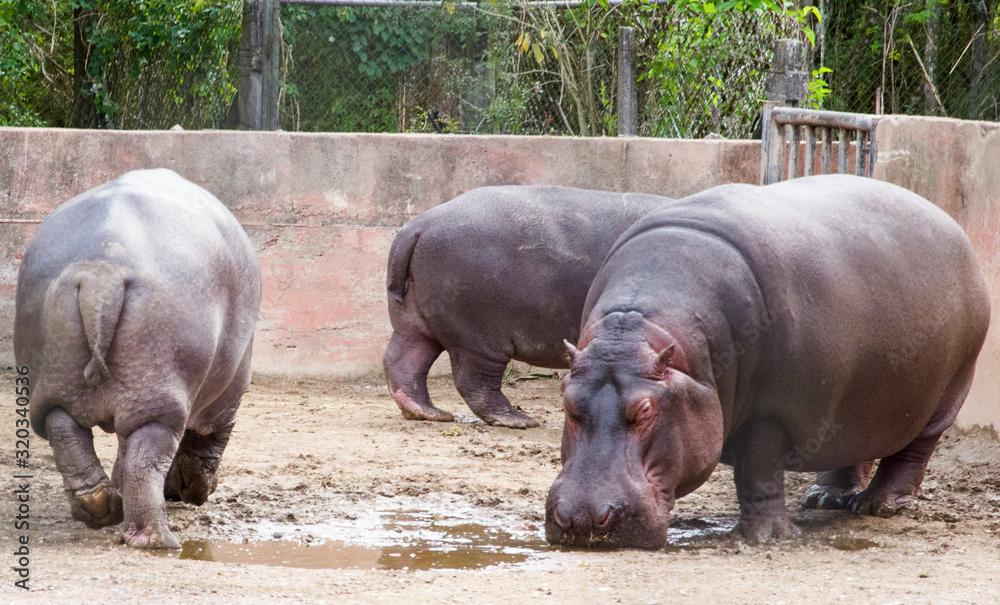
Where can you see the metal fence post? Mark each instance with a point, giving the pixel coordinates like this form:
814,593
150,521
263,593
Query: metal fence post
260,52
628,104
786,85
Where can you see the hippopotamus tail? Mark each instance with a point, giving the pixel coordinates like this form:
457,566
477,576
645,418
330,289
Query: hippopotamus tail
101,296
399,260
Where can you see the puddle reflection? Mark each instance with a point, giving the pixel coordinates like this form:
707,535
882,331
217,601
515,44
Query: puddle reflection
403,540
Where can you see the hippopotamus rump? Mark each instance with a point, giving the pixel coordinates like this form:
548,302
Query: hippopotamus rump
498,273
136,305
816,324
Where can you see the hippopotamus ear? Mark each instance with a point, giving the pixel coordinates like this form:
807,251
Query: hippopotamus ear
571,352
671,357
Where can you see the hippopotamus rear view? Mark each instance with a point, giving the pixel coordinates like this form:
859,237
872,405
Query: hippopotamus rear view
813,325
498,273
136,305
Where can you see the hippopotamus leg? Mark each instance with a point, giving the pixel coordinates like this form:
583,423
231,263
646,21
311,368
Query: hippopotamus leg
899,476
478,380
758,469
145,456
191,478
407,360
834,489
93,500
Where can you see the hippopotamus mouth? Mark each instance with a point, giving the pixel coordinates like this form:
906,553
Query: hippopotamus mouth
637,521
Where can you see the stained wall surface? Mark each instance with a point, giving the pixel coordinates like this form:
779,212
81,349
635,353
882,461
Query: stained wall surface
322,209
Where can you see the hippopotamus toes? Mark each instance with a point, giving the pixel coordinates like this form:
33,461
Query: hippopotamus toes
836,490
498,273
152,536
135,312
97,507
818,324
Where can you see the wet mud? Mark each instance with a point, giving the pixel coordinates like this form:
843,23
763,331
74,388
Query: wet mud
326,494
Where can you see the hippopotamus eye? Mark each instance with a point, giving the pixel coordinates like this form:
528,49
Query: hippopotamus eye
643,412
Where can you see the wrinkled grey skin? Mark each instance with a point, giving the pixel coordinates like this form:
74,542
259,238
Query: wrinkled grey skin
136,305
812,325
498,273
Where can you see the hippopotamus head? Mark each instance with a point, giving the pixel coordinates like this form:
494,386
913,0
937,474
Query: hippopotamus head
640,432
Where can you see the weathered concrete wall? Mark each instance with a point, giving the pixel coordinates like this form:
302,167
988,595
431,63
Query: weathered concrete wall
956,165
322,209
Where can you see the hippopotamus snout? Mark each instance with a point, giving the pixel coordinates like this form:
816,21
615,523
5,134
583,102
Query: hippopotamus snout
610,516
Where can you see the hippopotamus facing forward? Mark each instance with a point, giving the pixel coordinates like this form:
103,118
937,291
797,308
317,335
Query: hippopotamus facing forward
813,325
498,273
136,305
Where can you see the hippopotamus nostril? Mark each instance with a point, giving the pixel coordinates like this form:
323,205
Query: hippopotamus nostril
561,519
606,518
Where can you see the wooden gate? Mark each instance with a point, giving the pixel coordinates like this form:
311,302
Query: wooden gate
788,126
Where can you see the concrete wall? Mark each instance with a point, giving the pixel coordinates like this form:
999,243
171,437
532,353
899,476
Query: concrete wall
322,209
956,165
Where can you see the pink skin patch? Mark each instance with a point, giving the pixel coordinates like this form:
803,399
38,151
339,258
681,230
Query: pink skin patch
410,408
147,537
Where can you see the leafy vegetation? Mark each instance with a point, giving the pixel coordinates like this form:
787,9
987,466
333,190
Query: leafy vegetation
914,57
506,66
142,64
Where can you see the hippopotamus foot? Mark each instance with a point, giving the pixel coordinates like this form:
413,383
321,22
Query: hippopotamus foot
406,362
514,419
760,529
144,459
92,498
153,537
880,503
828,497
97,508
191,478
892,488
414,411
835,489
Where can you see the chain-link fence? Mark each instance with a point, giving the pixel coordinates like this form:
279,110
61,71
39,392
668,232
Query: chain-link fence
922,57
494,66
522,68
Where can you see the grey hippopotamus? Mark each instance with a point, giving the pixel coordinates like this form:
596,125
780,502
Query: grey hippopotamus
498,273
812,325
136,305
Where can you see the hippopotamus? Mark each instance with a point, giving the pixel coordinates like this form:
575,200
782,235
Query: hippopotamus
135,312
816,324
498,273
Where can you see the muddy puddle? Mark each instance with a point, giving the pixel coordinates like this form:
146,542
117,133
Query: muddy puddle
851,543
411,540
694,533
395,539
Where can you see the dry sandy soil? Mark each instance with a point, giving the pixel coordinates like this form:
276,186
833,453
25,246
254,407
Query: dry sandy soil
327,476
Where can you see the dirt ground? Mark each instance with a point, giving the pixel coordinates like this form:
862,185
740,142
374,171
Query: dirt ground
320,464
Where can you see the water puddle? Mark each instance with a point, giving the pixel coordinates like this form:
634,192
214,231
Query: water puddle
401,540
696,533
